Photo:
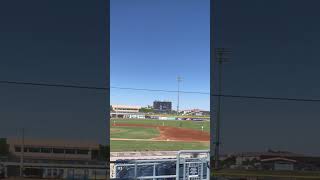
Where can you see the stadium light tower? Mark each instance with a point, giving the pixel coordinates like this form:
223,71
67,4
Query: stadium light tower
179,80
222,56
22,153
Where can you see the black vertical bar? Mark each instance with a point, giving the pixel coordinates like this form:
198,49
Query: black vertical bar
107,6
217,133
108,69
212,62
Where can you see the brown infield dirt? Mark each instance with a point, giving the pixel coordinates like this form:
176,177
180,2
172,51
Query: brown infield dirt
174,133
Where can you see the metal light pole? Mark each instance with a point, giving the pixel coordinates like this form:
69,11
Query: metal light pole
179,80
221,58
22,154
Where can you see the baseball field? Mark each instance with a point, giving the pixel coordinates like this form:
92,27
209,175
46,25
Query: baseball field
158,135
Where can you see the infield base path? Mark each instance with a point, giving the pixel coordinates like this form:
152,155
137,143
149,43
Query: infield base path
169,133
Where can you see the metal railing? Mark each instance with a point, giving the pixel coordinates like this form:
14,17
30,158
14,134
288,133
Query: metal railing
182,167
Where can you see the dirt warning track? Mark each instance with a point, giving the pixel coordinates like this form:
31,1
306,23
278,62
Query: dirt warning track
174,133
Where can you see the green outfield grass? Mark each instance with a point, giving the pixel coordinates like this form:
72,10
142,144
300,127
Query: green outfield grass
175,123
134,132
180,116
148,133
118,146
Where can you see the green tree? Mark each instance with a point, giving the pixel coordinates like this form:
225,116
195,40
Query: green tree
229,161
4,147
146,110
104,153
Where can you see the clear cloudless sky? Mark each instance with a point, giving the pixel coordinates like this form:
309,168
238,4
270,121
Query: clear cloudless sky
154,41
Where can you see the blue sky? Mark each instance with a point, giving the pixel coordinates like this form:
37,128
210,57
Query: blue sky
154,41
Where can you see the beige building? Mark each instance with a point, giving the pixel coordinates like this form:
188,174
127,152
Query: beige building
124,111
52,149
54,159
125,108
